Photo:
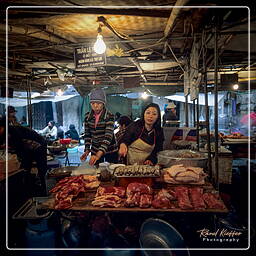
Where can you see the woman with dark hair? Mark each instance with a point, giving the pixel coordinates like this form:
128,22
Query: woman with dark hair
144,138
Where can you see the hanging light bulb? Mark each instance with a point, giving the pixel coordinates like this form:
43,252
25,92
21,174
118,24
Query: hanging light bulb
235,86
99,46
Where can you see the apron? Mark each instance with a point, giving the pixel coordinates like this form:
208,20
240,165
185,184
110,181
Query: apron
139,150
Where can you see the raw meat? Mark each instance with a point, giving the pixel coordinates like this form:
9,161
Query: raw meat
212,201
161,202
133,200
111,190
196,195
170,194
138,187
107,200
68,188
145,201
182,174
183,197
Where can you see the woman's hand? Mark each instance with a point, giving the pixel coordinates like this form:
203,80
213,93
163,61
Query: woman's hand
148,162
96,157
84,155
93,160
123,150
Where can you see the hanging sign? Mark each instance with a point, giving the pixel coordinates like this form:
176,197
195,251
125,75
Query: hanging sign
86,57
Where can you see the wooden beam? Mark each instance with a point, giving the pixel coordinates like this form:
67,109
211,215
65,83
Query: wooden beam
60,33
32,32
124,11
174,13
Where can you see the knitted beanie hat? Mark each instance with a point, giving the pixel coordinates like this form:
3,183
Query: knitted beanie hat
97,95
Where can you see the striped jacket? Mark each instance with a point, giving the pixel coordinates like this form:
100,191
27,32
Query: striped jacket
102,137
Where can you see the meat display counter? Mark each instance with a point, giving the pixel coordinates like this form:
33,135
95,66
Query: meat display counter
84,203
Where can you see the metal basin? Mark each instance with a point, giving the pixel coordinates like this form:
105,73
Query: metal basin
159,234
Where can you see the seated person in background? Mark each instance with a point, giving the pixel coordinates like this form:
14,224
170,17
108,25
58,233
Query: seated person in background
124,121
12,119
170,114
23,121
60,131
72,132
29,146
144,138
50,131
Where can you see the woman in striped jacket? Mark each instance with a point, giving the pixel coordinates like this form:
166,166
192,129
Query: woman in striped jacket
99,131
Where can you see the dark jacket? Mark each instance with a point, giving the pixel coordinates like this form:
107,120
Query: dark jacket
72,133
29,146
102,137
134,131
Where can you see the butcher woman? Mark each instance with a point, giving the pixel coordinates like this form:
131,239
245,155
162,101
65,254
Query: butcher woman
143,138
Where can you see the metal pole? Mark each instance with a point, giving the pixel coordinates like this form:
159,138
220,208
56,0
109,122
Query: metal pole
29,103
186,111
194,113
207,110
216,132
197,122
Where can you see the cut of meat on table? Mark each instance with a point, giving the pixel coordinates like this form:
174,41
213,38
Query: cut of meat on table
111,190
162,200
183,197
196,195
133,200
64,203
138,187
170,194
212,201
107,201
181,174
138,194
109,196
92,184
69,188
145,200
90,178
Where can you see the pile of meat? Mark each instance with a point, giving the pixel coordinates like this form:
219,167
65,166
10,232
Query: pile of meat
109,197
68,188
187,198
142,196
137,170
138,195
235,135
178,174
164,199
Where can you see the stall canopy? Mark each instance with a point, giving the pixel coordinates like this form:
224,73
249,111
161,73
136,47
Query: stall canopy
181,98
18,102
